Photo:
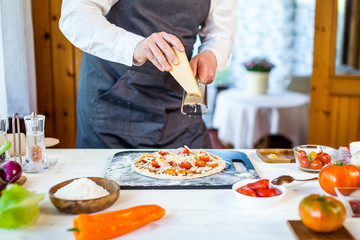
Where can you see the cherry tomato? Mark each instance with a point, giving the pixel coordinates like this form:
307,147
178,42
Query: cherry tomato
200,163
185,165
301,155
325,158
267,192
155,164
261,184
246,191
322,213
316,164
312,156
304,163
163,153
204,157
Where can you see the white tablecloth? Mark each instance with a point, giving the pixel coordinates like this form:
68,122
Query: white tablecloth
243,119
190,214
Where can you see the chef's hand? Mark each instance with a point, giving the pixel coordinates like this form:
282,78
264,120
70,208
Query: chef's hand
204,65
154,47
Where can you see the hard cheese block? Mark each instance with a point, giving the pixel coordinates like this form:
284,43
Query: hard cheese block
183,74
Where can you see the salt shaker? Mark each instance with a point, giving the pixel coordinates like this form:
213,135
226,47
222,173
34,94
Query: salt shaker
35,159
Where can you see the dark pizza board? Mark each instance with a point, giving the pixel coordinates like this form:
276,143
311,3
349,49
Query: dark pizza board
119,170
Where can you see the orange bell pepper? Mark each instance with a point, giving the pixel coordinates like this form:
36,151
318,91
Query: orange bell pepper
114,224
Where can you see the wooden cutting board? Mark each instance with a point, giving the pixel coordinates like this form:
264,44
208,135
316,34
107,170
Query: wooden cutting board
301,232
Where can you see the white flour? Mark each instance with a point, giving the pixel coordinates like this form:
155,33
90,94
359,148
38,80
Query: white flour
81,189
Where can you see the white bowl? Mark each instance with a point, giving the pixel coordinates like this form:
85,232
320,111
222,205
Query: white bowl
354,147
257,202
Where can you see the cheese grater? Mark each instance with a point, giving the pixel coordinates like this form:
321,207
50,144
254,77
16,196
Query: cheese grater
193,104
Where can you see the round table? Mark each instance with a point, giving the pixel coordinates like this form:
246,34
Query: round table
243,119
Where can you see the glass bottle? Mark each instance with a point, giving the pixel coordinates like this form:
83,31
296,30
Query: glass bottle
35,159
3,137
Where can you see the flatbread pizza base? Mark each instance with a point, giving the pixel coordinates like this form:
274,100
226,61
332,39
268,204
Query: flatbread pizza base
221,166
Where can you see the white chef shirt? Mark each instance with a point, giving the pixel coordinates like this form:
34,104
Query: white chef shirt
84,24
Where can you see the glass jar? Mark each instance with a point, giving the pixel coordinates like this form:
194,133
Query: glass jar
3,137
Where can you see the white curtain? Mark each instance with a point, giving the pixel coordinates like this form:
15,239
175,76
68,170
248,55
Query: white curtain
280,30
17,61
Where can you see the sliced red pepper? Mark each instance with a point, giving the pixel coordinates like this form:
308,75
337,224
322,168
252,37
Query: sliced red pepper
246,191
261,184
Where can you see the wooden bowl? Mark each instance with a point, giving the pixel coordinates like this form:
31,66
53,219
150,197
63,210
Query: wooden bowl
89,205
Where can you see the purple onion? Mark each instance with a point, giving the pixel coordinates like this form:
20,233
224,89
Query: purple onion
10,171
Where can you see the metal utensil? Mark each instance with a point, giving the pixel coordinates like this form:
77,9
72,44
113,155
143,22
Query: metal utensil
16,126
288,179
193,104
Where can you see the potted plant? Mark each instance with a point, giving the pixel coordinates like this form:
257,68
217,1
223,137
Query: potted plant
258,75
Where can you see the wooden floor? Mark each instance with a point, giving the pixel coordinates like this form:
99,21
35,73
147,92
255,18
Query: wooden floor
216,143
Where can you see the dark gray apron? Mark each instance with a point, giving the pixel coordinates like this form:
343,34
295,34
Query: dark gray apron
139,107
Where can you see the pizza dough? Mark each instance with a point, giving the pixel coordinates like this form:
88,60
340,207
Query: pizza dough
182,163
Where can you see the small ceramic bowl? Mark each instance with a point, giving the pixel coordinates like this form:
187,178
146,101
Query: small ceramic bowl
306,161
350,197
89,205
257,202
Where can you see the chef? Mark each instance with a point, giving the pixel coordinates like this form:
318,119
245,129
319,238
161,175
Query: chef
126,96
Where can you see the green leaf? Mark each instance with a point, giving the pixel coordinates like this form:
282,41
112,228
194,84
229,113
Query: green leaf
19,207
5,147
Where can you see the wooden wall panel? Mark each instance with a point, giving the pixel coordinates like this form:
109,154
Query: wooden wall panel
44,81
64,80
335,99
55,72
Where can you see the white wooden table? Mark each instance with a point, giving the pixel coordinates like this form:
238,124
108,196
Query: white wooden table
190,214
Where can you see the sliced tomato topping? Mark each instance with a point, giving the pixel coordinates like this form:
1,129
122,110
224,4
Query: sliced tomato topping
200,163
163,153
185,151
204,157
185,165
155,164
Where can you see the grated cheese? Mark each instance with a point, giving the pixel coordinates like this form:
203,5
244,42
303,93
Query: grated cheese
81,189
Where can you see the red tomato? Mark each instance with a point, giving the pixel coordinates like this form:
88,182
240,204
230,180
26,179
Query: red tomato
155,164
316,164
204,157
304,163
339,175
325,158
261,184
268,192
163,153
301,155
185,165
200,163
322,213
246,191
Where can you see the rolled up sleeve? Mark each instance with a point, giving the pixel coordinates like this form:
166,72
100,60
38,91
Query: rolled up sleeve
217,34
84,24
